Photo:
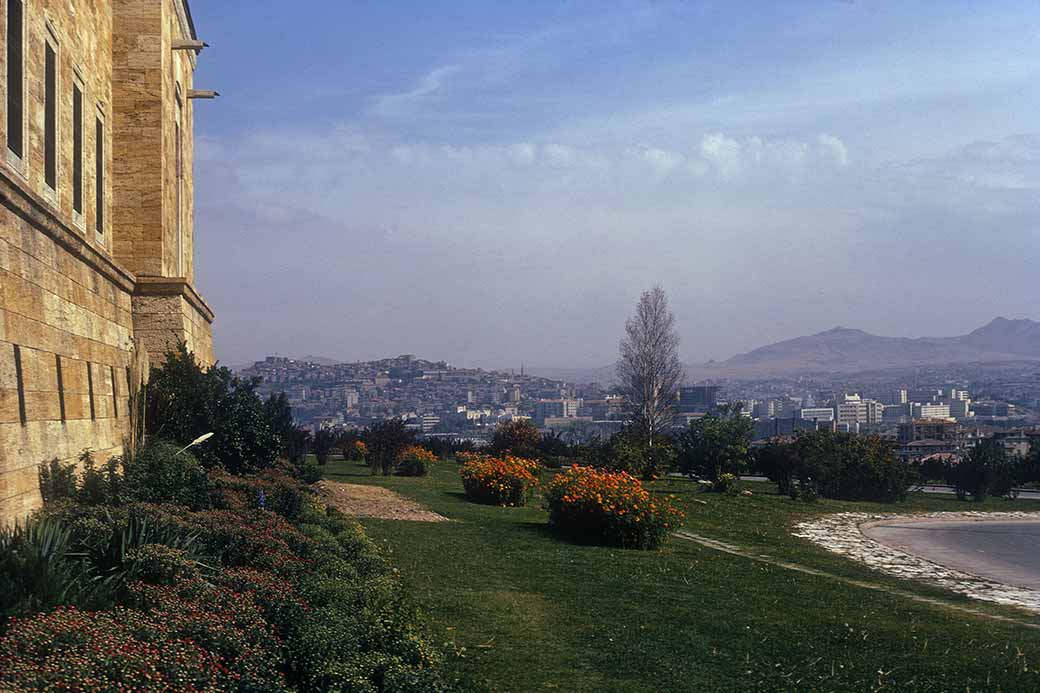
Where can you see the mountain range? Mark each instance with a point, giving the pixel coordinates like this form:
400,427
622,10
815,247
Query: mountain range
844,350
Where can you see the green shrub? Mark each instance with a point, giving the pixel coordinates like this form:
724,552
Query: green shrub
847,466
161,473
310,473
519,438
186,401
323,443
986,470
37,568
726,483
779,462
158,564
844,466
384,442
99,486
57,480
716,444
271,490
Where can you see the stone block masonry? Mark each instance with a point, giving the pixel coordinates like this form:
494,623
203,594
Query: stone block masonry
90,267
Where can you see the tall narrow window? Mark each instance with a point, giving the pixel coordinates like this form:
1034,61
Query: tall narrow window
77,149
179,192
15,78
99,175
50,116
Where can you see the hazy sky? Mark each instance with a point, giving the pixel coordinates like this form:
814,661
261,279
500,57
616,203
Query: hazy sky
496,182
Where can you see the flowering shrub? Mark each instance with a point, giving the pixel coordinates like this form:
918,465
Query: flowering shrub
610,507
269,590
159,564
271,490
129,649
464,456
499,480
414,460
360,450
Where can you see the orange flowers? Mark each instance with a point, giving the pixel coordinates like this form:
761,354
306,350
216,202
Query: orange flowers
610,507
417,452
499,481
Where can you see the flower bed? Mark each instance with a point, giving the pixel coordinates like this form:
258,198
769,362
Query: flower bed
414,460
613,508
499,480
236,596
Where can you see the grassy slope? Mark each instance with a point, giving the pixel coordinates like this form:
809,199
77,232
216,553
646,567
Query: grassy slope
536,614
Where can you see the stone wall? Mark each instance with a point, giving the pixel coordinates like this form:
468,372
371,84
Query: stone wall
64,305
75,297
168,311
153,235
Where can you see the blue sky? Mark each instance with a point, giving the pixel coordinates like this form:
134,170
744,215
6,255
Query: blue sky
496,182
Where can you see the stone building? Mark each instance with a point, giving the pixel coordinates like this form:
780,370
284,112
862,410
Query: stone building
96,231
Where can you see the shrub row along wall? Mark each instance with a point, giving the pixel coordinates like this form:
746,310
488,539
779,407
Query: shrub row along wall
259,588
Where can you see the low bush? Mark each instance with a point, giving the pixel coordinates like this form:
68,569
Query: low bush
161,472
726,483
414,460
272,490
309,472
499,480
121,649
57,480
613,508
313,600
35,569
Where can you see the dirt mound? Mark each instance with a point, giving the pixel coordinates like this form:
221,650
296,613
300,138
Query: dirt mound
362,500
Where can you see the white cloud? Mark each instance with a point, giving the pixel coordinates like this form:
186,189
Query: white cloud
663,160
835,148
1012,163
757,158
395,105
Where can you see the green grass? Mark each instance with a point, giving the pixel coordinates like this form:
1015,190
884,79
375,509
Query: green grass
535,613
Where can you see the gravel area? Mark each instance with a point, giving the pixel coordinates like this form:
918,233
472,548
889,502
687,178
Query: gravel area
843,533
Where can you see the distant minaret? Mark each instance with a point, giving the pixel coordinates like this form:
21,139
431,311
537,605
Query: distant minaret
521,370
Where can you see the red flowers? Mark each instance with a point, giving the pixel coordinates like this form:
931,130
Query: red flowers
174,645
499,481
610,507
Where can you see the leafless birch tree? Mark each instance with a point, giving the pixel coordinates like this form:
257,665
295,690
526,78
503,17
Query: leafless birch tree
649,370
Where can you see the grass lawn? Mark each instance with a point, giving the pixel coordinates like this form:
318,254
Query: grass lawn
535,613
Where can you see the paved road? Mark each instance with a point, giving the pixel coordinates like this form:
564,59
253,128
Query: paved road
943,490
1005,551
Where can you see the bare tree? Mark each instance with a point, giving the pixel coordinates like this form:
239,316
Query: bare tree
649,370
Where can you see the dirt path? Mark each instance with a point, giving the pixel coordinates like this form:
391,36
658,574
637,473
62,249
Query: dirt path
362,500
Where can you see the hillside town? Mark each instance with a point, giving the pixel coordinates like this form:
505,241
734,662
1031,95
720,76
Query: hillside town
437,400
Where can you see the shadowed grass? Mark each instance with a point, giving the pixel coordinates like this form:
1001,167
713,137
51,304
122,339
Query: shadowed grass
536,613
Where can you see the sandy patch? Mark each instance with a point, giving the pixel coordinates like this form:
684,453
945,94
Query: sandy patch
362,500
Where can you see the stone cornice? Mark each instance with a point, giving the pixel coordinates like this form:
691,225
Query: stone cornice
174,286
18,197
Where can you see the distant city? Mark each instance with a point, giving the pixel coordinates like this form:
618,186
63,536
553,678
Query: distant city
923,411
